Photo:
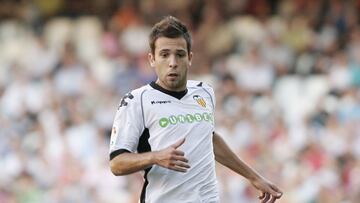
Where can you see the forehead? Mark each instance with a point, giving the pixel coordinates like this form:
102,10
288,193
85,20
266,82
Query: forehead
163,43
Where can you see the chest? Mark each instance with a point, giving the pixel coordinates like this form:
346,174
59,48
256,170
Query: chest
164,111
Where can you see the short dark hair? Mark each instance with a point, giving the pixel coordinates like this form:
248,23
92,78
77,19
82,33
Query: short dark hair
170,27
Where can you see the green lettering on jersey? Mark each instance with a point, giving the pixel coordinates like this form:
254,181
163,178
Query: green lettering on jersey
198,117
206,116
173,120
181,118
164,122
188,118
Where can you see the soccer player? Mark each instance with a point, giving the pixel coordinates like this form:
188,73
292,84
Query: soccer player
166,128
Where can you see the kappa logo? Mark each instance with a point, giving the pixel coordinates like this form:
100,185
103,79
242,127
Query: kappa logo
200,100
160,102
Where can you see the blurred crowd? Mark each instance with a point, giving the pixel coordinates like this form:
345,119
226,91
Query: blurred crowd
286,75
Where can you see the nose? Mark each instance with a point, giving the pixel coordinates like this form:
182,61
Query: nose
172,61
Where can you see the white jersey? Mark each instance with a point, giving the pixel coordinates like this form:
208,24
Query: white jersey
151,118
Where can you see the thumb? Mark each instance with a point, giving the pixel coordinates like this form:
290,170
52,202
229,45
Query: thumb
178,143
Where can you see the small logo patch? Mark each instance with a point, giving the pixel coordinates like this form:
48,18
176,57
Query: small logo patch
160,102
113,134
200,100
164,122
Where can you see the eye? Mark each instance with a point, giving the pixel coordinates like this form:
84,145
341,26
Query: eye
180,55
164,55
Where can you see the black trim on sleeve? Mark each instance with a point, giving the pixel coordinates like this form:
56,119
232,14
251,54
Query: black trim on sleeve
177,95
118,152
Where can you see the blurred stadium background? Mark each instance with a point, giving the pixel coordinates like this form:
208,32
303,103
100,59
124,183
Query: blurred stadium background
286,74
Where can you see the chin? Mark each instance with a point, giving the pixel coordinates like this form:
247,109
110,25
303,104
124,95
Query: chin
174,84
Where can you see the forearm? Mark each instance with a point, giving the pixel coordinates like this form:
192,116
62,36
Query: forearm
225,156
127,163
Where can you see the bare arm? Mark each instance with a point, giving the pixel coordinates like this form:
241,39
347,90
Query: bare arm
225,156
127,163
171,158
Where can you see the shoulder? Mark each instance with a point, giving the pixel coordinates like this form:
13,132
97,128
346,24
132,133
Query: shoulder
133,96
204,87
139,91
200,85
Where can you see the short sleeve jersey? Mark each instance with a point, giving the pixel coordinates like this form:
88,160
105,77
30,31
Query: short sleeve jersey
151,118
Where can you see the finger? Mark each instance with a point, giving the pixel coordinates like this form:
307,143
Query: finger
267,197
178,152
273,199
177,168
181,164
262,195
180,158
178,143
276,191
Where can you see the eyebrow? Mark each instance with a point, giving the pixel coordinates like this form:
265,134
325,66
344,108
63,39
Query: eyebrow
168,50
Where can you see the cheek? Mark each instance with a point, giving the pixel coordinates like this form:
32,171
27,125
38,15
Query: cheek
185,67
160,71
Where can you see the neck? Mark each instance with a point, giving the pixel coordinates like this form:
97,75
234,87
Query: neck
177,94
177,89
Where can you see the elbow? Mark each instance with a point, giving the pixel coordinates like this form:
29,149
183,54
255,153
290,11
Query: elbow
116,168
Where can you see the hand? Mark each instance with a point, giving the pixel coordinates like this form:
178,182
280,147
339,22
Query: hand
270,193
172,158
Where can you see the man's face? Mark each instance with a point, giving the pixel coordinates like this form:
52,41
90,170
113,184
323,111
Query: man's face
171,61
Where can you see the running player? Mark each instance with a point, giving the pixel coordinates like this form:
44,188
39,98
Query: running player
166,128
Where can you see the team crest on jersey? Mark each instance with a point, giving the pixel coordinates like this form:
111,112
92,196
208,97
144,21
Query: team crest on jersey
200,100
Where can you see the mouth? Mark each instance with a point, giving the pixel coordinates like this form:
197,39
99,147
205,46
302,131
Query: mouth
173,75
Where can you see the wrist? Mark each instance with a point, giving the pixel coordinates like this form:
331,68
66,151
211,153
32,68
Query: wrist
152,158
254,177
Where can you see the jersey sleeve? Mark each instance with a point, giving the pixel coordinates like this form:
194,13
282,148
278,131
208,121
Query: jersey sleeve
128,125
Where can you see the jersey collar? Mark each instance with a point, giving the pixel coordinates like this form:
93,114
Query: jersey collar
177,95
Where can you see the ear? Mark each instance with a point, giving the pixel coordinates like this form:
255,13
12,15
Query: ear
151,59
190,58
